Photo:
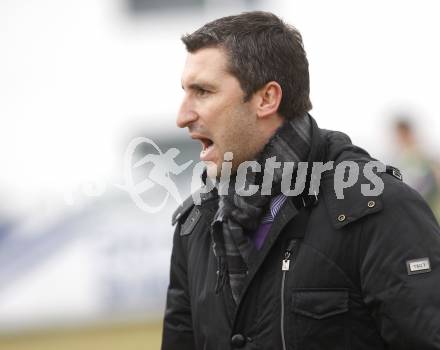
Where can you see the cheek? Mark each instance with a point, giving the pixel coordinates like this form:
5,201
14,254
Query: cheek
212,117
226,122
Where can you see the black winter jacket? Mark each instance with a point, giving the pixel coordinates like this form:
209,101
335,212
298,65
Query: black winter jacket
364,272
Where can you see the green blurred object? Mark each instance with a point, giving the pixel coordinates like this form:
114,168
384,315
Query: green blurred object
146,335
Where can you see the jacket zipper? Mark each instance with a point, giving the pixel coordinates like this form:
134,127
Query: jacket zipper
286,266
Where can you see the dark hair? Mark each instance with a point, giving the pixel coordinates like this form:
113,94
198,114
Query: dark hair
261,48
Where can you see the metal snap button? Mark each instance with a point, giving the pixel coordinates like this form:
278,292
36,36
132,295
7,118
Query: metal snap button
371,204
238,340
341,217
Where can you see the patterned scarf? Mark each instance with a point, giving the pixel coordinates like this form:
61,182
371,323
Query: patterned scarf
239,215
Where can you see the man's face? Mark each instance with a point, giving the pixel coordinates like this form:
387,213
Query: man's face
214,112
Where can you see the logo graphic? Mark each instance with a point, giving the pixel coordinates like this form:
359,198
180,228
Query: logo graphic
293,177
162,165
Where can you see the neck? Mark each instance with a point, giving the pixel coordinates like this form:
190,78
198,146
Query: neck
269,125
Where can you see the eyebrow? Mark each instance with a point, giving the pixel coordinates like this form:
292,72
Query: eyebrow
200,86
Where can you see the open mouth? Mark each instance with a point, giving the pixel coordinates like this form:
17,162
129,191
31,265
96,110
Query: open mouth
206,143
207,152
207,146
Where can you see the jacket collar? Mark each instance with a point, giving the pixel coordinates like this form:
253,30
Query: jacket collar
337,147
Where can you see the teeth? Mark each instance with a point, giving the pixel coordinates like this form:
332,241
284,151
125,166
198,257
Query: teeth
205,148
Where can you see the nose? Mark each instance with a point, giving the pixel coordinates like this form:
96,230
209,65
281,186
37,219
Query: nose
186,114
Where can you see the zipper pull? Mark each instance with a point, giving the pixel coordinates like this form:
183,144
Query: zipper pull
286,261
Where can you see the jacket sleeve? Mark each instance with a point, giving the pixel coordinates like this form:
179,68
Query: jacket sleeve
177,326
405,305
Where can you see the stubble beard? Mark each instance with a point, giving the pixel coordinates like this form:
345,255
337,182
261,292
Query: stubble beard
242,142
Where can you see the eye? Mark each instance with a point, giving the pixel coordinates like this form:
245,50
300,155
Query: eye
202,92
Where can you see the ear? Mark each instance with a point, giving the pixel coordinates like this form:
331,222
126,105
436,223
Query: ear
268,99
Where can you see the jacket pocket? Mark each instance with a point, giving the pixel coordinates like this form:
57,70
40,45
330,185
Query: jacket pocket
320,318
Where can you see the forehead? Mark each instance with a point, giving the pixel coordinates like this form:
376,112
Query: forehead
205,64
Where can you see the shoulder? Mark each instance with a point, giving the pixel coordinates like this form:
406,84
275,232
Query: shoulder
198,198
197,208
182,210
358,185
403,202
371,188
186,215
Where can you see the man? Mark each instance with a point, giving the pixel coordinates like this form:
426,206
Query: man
421,172
268,270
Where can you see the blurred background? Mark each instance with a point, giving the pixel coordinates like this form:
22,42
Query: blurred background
82,264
